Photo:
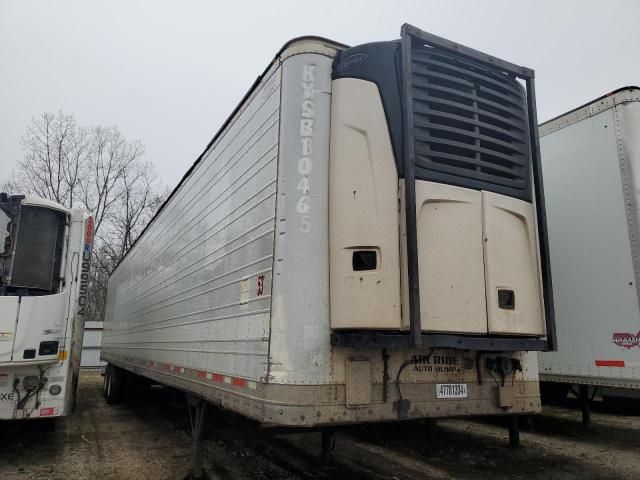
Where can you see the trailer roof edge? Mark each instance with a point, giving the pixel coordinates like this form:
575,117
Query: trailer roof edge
281,54
621,95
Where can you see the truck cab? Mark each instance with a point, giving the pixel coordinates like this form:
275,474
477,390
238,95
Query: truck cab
45,250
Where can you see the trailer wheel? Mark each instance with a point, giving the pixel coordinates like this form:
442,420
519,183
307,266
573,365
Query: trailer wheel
105,381
114,380
554,393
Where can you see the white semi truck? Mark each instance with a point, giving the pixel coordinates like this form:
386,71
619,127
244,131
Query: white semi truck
45,251
363,240
591,167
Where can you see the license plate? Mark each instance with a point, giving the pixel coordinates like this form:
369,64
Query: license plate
451,390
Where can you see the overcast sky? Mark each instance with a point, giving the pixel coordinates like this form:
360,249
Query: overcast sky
170,72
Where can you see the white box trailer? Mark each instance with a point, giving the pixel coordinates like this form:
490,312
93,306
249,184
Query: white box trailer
91,346
45,252
360,242
591,162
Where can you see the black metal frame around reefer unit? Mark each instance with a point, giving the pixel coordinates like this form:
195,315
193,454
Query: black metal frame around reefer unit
416,338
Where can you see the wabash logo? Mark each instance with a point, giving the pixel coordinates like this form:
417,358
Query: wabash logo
626,340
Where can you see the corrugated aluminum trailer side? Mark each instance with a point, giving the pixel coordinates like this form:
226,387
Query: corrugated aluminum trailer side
279,281
91,343
591,164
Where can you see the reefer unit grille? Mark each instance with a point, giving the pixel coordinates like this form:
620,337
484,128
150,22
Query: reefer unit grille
38,248
469,124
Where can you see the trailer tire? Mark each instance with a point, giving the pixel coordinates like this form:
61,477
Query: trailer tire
554,393
105,379
114,380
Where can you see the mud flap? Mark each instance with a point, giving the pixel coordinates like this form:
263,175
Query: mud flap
401,407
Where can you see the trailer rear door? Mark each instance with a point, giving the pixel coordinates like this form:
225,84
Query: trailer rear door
514,300
452,290
478,262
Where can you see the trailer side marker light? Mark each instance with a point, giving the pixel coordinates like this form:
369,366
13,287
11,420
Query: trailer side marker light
239,382
62,355
609,363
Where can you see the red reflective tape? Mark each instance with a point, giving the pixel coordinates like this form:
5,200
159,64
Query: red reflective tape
218,378
45,412
609,363
239,382
202,374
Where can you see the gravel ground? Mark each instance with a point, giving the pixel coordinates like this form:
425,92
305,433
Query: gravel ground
149,438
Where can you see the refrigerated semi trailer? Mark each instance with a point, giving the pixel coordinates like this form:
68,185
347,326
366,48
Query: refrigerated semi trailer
590,164
45,253
363,240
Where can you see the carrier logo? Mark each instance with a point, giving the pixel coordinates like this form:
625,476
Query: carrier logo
626,340
7,397
352,61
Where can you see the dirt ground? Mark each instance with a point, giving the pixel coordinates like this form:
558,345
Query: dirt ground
148,438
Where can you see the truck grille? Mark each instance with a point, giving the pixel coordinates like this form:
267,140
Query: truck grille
470,124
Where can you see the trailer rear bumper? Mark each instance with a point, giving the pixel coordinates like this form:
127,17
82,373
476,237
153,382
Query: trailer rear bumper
482,400
305,406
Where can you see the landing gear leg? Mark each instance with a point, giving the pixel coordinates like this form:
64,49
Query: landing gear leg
585,404
526,423
328,446
514,431
197,421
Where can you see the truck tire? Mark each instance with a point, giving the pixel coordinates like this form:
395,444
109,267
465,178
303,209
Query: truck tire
49,425
114,380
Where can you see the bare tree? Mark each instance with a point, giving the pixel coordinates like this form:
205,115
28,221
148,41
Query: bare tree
113,160
55,153
99,167
140,200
